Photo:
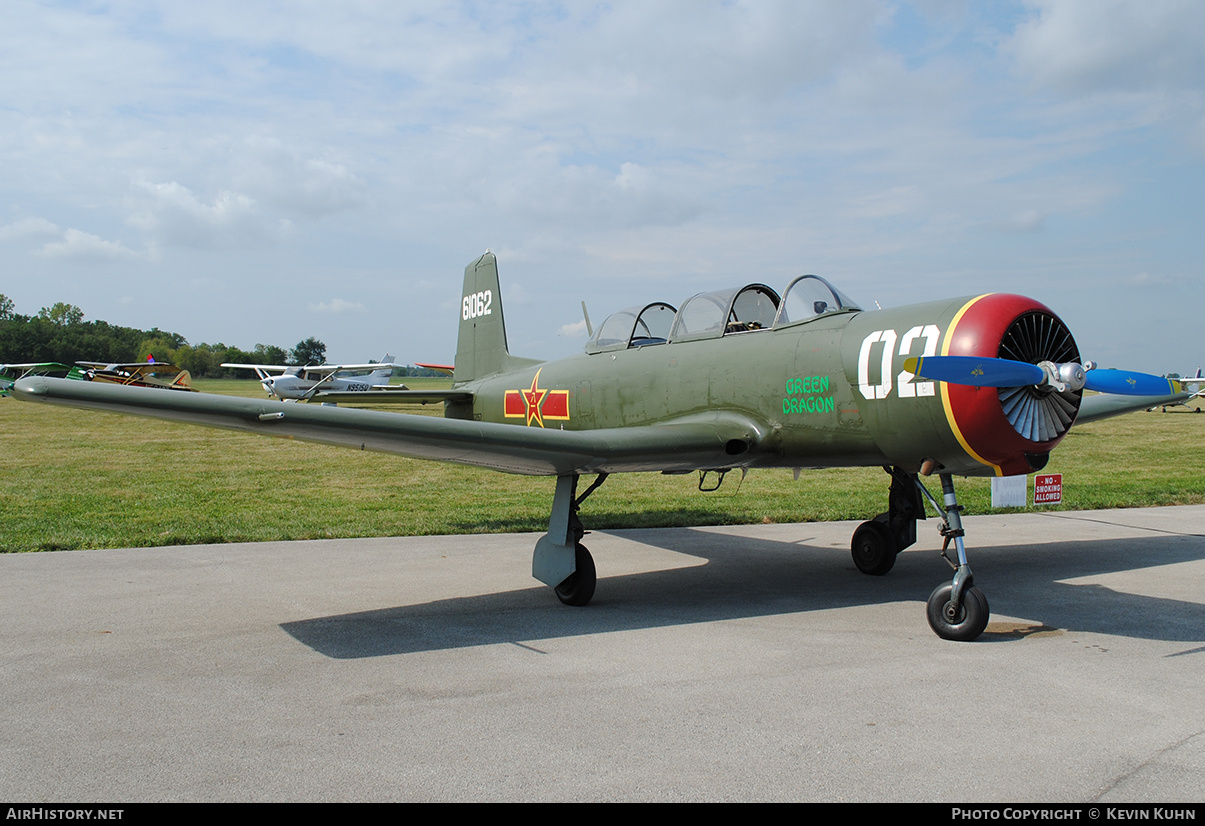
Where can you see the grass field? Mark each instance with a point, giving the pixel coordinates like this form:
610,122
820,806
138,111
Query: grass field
75,479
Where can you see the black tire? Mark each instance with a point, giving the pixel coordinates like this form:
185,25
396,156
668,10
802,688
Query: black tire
578,588
873,548
970,620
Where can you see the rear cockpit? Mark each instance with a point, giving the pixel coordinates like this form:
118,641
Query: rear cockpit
633,327
720,313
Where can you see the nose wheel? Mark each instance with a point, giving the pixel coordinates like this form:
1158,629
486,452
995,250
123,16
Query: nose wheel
961,621
957,610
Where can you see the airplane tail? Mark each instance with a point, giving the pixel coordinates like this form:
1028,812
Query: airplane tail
386,371
481,346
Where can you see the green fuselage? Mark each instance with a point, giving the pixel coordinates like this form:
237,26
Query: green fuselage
799,383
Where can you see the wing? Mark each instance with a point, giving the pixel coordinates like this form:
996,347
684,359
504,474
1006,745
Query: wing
134,366
278,368
402,395
711,440
335,368
49,365
1104,405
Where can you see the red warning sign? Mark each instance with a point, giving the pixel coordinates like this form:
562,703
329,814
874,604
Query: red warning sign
1048,489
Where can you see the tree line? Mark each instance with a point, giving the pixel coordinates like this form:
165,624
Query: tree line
60,333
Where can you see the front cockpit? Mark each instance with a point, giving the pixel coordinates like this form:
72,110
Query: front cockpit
721,313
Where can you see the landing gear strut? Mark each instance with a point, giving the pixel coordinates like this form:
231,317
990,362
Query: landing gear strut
877,542
957,610
560,558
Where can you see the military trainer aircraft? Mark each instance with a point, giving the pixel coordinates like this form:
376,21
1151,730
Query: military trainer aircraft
730,380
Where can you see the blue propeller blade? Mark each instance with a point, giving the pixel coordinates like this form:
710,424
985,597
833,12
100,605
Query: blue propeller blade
976,372
989,372
1126,383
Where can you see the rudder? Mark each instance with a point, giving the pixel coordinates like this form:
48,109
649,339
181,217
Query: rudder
481,345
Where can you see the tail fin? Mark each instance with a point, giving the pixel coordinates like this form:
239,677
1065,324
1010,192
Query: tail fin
481,346
385,371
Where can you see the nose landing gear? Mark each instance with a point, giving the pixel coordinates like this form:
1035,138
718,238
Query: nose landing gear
957,610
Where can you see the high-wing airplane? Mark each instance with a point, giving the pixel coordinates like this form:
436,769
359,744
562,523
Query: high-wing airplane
1195,385
730,380
303,383
139,374
9,373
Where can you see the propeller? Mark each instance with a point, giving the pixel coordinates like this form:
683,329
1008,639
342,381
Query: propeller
992,372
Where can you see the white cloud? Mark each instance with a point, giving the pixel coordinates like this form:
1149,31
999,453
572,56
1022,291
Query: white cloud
1155,280
282,177
1029,220
172,213
1105,45
338,305
84,246
69,244
31,228
575,330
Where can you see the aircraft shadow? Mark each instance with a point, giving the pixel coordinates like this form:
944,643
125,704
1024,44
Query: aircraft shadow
748,577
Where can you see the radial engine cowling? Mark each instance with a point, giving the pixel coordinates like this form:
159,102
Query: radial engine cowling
955,427
1012,428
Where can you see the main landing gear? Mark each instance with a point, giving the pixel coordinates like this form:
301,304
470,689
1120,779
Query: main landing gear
560,559
957,610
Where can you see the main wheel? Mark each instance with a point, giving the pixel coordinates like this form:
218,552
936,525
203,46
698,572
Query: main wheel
578,587
873,548
962,625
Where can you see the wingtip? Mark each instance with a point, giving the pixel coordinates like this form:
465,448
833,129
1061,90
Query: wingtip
28,387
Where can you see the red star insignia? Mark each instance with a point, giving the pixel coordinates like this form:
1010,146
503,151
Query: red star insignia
533,397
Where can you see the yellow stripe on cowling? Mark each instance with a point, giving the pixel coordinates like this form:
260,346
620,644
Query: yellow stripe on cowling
945,389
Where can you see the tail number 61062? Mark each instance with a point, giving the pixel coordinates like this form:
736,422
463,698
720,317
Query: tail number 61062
476,305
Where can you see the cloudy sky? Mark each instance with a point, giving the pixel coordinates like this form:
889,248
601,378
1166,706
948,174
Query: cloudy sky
260,172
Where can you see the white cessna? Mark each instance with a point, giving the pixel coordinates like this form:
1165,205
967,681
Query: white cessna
302,383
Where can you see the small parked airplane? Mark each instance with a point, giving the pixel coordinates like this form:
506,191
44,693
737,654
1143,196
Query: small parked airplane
303,383
730,380
9,373
139,374
1191,382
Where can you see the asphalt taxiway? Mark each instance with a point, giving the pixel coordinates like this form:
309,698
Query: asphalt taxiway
736,663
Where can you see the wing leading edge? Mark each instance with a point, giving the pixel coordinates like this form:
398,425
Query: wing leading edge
1106,405
713,440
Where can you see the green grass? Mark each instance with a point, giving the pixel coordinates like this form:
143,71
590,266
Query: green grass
75,479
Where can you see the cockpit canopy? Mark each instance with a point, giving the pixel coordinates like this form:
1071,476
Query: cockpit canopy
724,312
810,296
708,315
633,327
